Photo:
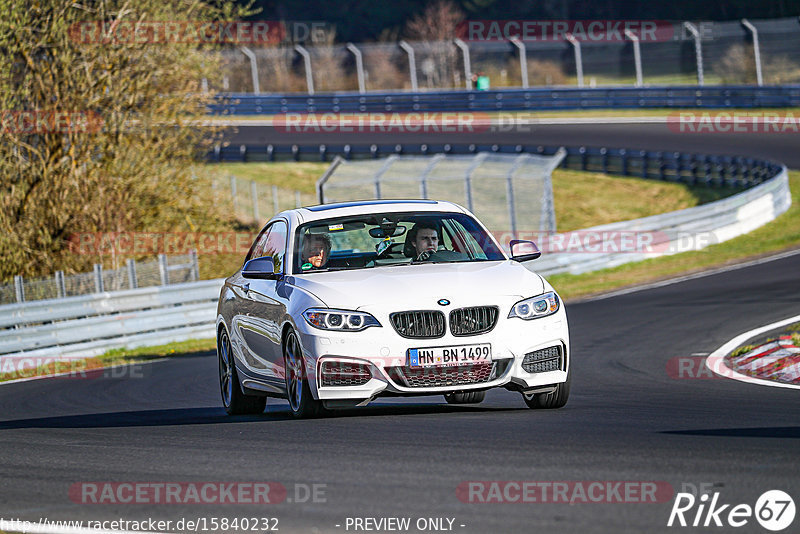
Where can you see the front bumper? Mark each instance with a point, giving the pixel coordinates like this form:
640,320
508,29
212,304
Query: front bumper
382,353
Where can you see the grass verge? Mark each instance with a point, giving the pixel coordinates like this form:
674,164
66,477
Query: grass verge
80,368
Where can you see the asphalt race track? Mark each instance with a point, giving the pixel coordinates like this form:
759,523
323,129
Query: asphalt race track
628,419
780,147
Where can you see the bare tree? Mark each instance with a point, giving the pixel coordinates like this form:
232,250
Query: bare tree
437,26
111,143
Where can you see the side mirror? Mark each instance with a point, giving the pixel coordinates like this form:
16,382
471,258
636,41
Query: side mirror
523,250
261,268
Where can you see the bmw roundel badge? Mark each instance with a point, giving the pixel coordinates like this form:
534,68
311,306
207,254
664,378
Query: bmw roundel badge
443,302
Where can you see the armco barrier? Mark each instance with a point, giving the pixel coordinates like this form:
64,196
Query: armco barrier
726,96
678,231
89,325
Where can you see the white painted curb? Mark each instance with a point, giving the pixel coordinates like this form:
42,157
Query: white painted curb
716,360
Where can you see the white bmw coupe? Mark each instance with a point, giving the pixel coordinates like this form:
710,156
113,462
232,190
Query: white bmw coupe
338,304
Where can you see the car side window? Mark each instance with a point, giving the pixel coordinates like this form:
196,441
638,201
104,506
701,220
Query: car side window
275,245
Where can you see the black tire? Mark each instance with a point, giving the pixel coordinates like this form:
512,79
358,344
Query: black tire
298,393
549,401
233,398
465,397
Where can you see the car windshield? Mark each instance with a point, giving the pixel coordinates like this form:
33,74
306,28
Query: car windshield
384,239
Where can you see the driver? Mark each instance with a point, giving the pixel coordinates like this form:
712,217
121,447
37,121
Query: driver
424,239
316,250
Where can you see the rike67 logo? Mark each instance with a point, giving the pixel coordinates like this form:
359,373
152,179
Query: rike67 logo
774,510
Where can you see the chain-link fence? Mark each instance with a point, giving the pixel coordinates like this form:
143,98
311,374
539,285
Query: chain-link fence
256,202
730,53
165,270
508,193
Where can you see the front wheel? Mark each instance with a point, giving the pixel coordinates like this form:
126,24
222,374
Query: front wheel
233,399
556,399
301,403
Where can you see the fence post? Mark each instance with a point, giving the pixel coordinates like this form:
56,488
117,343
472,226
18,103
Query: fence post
307,61
98,278
468,176
412,64
19,288
275,199
756,49
698,50
195,265
523,61
576,45
637,56
162,269
362,86
132,281
60,285
253,68
233,193
378,175
467,66
297,201
254,195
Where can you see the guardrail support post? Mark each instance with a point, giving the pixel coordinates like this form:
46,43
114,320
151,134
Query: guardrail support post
98,278
576,45
412,63
162,269
254,196
62,288
362,86
467,66
19,288
309,74
756,49
637,56
132,281
698,50
523,61
253,68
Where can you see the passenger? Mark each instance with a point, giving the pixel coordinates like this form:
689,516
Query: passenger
316,250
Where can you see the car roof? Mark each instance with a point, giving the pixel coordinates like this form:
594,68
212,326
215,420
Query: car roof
364,207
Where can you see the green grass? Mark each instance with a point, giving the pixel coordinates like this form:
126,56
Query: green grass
113,357
295,176
781,234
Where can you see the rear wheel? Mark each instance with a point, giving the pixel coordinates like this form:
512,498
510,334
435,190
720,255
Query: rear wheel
301,403
465,397
233,399
556,399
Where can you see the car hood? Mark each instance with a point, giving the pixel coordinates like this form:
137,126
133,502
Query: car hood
421,286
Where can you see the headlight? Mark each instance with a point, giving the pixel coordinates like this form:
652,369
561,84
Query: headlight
535,307
340,320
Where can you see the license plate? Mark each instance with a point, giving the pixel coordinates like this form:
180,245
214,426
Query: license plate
454,355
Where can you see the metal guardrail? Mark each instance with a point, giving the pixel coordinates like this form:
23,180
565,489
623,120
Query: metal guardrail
89,325
723,96
674,232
